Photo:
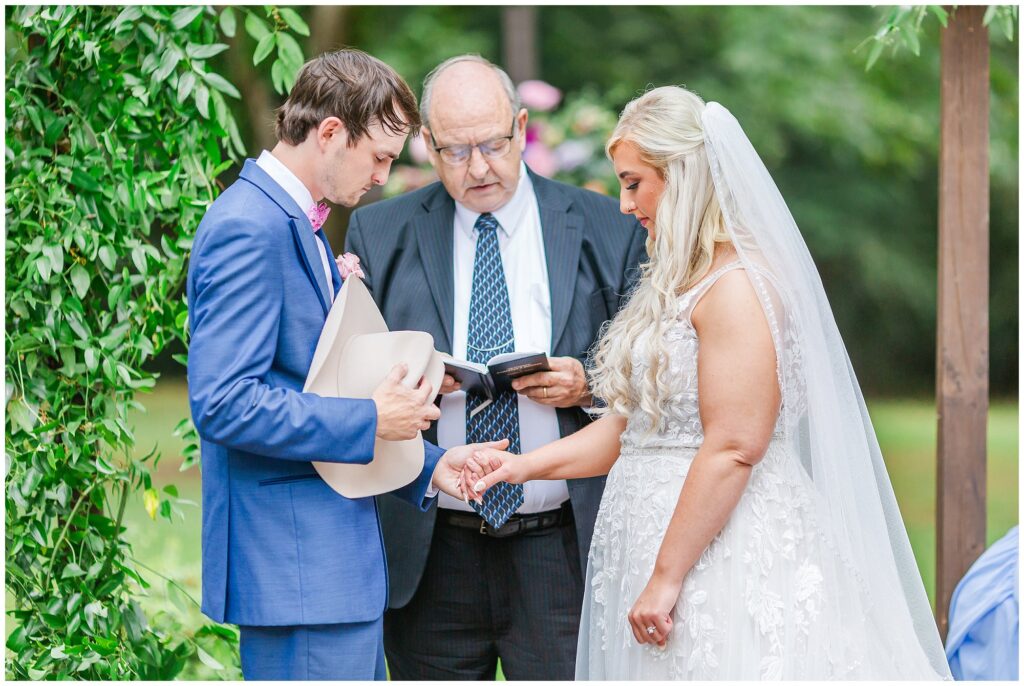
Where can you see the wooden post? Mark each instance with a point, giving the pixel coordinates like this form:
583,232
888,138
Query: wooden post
962,351
519,42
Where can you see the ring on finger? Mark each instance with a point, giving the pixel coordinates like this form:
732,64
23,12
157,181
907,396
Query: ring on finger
650,631
545,392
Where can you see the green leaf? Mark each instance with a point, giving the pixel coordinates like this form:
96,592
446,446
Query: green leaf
277,75
184,16
910,39
17,640
227,22
203,100
185,85
294,21
55,254
44,266
208,660
72,570
21,414
989,14
151,500
128,15
91,359
80,280
221,84
873,55
255,27
83,180
168,61
107,257
290,53
940,14
264,47
205,52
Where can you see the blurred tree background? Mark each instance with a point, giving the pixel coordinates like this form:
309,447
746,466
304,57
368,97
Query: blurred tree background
854,152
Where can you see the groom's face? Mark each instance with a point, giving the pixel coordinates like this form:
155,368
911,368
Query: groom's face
349,172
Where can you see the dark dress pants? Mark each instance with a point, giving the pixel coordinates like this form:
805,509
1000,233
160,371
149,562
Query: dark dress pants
482,599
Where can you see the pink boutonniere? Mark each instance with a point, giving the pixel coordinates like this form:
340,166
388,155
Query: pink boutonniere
349,264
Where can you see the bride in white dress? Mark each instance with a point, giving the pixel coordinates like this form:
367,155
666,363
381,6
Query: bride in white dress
748,528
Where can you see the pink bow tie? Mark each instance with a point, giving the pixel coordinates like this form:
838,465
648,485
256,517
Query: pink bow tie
318,214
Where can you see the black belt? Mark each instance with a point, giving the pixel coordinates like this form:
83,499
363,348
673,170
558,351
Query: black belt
517,524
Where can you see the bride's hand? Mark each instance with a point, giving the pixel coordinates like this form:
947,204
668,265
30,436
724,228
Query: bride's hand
489,466
654,609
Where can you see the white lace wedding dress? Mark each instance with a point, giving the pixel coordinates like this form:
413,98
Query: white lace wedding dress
772,596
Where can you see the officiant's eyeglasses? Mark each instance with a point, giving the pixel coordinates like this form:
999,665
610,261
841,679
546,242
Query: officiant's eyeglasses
494,148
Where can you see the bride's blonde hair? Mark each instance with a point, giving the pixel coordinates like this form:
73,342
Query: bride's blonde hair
664,125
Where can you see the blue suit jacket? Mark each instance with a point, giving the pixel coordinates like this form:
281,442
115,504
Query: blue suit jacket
279,546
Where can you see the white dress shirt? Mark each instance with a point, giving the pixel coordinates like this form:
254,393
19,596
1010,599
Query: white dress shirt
302,197
521,244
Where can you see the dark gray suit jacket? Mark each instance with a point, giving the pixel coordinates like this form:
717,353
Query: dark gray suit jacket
405,246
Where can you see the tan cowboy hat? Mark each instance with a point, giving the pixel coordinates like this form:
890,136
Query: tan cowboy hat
353,356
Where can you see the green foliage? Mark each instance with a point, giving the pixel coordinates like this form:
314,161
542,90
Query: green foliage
117,125
289,58
901,27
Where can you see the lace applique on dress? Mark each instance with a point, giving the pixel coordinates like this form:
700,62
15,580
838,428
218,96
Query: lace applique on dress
769,598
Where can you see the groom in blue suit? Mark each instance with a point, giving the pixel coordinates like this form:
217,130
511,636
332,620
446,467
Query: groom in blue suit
298,567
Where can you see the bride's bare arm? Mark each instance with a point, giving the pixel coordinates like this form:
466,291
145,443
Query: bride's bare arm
739,404
591,451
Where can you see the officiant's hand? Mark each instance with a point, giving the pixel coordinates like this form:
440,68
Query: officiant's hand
564,386
449,385
449,474
402,411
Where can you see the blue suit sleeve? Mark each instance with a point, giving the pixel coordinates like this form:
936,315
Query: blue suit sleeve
235,299
415,493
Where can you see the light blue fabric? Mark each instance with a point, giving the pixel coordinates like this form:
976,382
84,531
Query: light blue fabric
280,548
335,652
982,641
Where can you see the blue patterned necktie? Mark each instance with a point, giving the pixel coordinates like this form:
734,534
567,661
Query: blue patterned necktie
490,334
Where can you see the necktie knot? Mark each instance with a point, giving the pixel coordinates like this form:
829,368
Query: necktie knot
485,222
318,214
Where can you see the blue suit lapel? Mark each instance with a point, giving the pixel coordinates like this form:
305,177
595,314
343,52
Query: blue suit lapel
301,229
560,226
436,243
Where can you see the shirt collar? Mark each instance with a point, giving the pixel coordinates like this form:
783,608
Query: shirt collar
508,215
286,179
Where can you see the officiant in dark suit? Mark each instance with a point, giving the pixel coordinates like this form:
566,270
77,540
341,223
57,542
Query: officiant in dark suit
494,259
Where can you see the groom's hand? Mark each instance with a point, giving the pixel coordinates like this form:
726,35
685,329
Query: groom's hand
402,411
448,475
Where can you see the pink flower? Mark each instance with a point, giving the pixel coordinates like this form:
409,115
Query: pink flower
540,159
348,264
538,95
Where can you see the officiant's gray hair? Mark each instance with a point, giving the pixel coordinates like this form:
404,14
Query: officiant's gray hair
428,84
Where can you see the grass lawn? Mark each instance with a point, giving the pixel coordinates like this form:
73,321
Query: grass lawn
906,431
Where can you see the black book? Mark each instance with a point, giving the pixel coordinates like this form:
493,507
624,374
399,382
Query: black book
495,376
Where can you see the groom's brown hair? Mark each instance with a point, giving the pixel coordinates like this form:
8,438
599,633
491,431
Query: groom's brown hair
357,88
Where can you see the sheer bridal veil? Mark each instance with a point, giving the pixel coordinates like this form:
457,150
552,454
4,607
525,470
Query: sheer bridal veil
823,407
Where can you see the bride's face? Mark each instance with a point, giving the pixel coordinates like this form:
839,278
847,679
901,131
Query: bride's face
640,185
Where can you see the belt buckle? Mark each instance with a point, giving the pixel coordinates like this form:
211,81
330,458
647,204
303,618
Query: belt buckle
483,526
